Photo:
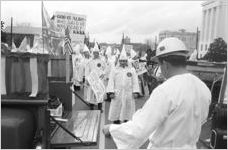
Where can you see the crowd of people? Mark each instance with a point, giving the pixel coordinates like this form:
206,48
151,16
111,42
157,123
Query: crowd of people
118,74
173,114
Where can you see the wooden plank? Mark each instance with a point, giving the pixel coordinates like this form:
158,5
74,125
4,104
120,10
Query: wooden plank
23,102
87,126
81,123
95,135
205,69
101,126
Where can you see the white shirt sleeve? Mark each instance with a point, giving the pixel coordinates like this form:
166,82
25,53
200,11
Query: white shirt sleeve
135,132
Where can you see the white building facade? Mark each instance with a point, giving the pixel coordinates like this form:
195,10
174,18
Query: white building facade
214,24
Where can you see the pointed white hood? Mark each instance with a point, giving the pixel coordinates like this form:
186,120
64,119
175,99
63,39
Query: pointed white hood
123,55
108,51
117,51
85,49
95,48
193,55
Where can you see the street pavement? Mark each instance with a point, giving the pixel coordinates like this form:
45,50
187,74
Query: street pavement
107,142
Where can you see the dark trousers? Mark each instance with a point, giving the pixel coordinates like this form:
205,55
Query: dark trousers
76,88
99,106
108,97
118,121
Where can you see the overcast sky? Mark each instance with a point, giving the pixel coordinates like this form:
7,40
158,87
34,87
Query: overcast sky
107,20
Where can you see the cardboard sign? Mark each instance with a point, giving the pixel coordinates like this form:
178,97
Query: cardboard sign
140,67
75,22
97,86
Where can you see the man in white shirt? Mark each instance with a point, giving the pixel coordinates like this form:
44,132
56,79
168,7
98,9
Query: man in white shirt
173,115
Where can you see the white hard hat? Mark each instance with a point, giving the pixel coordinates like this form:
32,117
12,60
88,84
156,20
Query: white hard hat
123,55
170,46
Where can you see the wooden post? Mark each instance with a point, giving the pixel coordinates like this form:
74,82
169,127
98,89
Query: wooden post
155,43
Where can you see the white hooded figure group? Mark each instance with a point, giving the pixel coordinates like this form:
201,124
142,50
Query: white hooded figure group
123,88
97,65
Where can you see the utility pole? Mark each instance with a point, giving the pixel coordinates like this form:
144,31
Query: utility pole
197,40
122,42
11,33
155,43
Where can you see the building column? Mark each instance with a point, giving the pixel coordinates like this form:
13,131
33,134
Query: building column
208,25
204,42
216,21
210,30
203,27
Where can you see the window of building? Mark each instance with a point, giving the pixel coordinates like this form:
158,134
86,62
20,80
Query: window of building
206,47
201,47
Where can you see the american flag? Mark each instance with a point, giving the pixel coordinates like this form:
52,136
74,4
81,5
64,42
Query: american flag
67,46
51,37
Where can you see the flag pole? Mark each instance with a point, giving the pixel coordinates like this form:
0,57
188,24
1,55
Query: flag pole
67,65
42,15
197,40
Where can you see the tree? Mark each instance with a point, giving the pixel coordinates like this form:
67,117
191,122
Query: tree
2,25
217,51
3,35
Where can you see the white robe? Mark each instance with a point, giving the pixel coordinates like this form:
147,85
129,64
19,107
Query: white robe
123,82
171,118
97,65
110,64
85,63
77,69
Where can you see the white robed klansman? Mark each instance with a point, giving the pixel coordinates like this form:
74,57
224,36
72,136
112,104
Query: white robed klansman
98,65
77,66
110,62
85,62
123,82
